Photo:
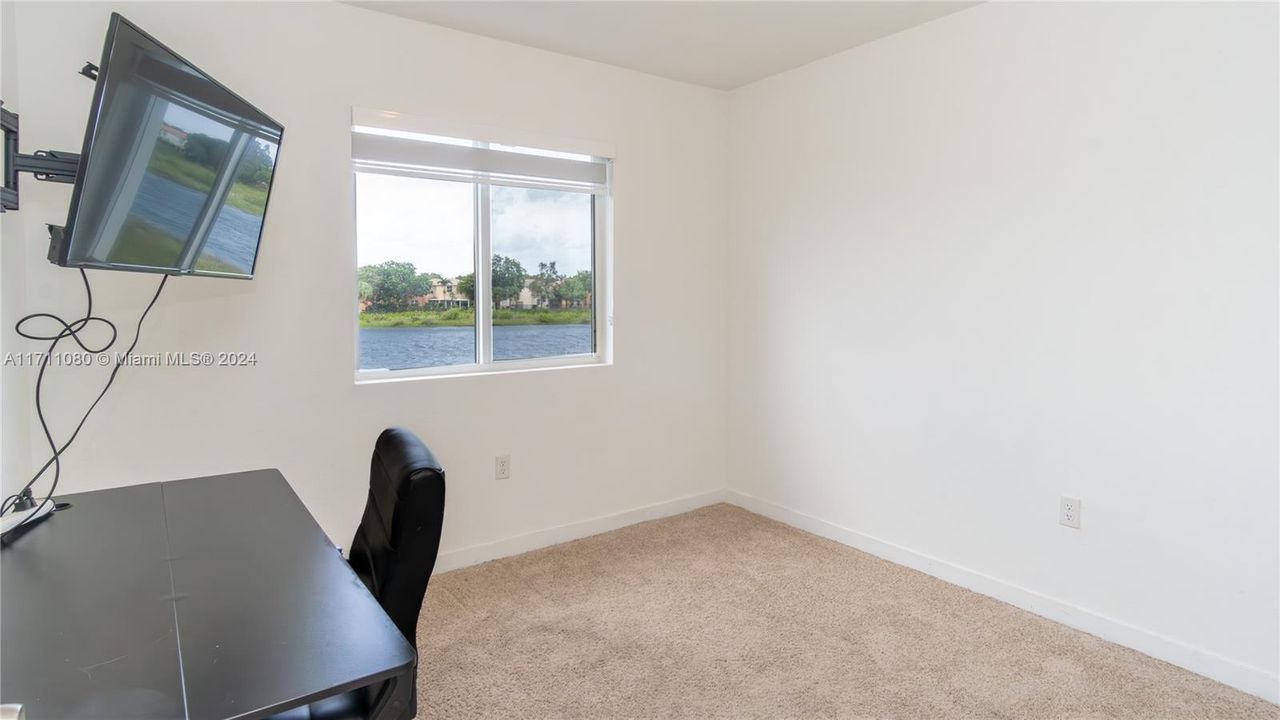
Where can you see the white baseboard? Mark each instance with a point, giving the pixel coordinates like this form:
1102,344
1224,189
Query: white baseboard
476,554
1252,680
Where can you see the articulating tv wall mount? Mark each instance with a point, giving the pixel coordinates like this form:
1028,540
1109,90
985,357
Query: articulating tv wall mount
48,165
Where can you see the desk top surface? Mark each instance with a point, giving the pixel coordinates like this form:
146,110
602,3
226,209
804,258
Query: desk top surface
214,597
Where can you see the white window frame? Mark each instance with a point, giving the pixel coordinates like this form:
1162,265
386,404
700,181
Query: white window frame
602,255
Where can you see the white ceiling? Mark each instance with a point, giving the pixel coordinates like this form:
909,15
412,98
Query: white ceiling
721,44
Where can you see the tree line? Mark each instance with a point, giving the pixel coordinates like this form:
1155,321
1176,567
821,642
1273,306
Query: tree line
394,286
254,167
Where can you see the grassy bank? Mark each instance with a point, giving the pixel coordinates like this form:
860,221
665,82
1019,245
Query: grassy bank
457,317
149,245
169,163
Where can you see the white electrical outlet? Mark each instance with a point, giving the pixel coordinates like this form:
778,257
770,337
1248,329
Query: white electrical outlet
1069,512
502,467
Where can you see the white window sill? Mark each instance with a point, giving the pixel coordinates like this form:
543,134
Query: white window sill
500,367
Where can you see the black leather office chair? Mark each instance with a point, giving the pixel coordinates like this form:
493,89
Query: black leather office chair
395,547
394,552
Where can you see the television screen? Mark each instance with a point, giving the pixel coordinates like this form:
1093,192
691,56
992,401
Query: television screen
176,169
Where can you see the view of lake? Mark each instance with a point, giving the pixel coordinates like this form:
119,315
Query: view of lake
173,208
398,348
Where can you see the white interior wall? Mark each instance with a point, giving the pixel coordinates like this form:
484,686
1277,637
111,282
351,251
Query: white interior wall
586,443
15,393
1023,251
968,270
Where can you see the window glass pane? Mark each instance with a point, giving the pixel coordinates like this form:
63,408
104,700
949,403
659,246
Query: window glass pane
543,288
415,242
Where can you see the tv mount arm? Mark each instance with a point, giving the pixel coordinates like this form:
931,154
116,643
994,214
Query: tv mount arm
48,165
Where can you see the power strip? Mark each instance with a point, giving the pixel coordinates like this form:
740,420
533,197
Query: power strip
14,519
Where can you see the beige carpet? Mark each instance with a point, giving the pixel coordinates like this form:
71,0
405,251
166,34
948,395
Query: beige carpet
723,613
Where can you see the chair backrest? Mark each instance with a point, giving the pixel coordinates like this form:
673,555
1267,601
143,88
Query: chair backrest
395,547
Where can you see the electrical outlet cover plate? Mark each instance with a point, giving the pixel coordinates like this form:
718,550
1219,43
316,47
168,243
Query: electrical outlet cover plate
1069,512
502,467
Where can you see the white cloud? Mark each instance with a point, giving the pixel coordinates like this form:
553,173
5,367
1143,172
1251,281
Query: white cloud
536,226
426,222
430,224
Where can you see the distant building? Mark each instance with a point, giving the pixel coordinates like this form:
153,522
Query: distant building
528,301
173,135
444,294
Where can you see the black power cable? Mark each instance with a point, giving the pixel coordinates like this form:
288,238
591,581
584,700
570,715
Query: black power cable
72,330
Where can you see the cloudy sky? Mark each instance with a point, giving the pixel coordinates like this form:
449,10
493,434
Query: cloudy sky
430,224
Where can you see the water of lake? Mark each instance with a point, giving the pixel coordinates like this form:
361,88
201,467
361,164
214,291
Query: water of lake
418,347
173,208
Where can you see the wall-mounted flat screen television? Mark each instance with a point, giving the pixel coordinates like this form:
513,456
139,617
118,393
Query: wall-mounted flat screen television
176,169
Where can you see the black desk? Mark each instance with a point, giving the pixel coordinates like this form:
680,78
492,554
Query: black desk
216,597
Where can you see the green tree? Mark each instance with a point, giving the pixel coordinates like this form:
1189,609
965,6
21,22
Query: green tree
204,150
367,277
252,168
467,286
576,288
255,165
547,284
507,276
392,285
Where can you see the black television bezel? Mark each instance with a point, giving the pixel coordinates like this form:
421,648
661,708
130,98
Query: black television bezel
63,247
